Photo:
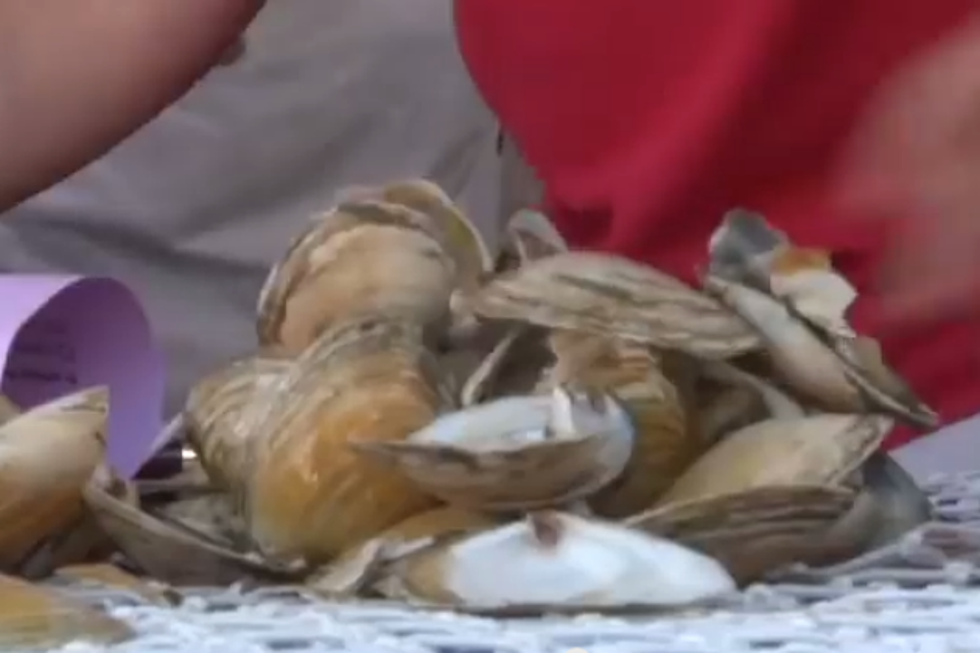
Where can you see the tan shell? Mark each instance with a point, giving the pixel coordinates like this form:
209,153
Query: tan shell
35,618
359,567
504,455
111,577
47,455
309,494
362,259
813,450
664,446
173,553
462,238
220,415
760,529
612,296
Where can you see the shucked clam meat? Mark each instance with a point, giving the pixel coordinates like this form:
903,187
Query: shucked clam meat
517,452
552,561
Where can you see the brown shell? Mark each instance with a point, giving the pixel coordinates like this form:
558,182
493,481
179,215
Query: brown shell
362,259
172,553
36,618
612,296
462,238
814,450
310,495
220,415
758,530
49,453
664,445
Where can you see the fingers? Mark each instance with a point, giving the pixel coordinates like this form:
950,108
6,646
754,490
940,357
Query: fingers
77,77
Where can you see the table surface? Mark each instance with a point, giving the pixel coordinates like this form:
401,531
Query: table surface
921,594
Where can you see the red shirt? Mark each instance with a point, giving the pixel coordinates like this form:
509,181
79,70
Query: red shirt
648,119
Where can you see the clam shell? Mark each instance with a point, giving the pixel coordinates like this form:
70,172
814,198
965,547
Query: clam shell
112,577
214,514
361,259
462,238
47,455
309,494
812,450
510,454
612,296
664,446
755,531
801,359
220,413
557,561
361,566
901,505
530,236
35,618
172,553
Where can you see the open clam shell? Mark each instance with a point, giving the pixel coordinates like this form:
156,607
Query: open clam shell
516,452
309,494
755,531
35,618
612,296
174,553
514,366
664,445
556,561
220,415
814,450
47,455
361,259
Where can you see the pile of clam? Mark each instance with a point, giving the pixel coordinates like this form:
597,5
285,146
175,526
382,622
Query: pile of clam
544,430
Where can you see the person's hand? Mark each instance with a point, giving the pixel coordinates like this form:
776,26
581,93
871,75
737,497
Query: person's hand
78,76
916,158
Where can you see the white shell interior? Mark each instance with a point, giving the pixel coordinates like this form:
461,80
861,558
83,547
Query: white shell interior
512,423
592,563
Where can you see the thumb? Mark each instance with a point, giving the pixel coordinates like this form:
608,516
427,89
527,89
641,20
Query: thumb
78,77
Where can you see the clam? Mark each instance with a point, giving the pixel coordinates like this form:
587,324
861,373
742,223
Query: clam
176,553
47,455
664,447
516,452
514,366
214,514
35,618
901,506
361,566
360,259
823,449
463,240
799,303
220,415
761,529
554,561
310,495
614,297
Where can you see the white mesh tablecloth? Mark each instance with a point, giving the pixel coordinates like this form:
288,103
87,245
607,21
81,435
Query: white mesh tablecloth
921,595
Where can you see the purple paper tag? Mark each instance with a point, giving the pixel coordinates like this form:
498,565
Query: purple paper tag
59,334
